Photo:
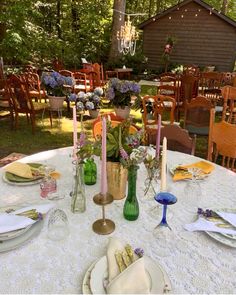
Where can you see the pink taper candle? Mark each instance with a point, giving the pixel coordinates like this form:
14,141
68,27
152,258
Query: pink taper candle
158,138
104,158
75,138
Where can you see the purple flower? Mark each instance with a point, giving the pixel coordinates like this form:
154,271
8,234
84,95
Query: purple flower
110,93
96,98
80,106
89,105
82,139
73,97
98,91
124,154
139,252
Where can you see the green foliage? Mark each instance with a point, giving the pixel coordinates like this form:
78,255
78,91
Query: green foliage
34,31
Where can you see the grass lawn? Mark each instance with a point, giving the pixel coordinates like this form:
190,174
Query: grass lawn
46,138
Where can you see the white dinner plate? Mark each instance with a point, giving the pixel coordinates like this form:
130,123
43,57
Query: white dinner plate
13,234
158,278
20,240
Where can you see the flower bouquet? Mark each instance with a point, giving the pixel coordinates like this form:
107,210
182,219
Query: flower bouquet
56,84
89,100
120,92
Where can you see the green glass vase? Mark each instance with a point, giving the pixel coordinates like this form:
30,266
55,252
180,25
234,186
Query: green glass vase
90,172
131,206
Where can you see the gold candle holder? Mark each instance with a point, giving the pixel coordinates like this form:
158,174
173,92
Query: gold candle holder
103,226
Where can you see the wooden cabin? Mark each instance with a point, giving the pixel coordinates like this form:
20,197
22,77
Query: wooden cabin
204,36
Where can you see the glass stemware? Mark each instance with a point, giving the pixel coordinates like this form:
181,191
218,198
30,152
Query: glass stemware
163,231
192,191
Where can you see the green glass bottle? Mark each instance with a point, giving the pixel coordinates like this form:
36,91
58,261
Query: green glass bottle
90,172
131,206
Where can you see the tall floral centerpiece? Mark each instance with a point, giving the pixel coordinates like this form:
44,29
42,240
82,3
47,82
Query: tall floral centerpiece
90,101
120,94
57,87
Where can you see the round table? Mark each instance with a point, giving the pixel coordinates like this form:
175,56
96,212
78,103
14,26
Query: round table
195,265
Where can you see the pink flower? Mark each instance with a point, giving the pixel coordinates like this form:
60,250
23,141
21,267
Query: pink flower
82,139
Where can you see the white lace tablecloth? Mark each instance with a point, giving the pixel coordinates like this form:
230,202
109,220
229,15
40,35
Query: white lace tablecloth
196,264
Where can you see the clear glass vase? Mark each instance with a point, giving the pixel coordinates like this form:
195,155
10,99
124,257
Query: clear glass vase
78,201
131,206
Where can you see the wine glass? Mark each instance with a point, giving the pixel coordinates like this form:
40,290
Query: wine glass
163,231
192,191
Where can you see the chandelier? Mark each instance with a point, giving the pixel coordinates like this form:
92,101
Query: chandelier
127,37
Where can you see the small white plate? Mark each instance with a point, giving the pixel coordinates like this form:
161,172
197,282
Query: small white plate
20,240
158,278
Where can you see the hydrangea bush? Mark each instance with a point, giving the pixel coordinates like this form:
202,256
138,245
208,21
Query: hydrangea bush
56,84
89,100
120,92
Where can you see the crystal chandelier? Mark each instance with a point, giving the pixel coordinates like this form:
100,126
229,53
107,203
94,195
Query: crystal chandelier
127,37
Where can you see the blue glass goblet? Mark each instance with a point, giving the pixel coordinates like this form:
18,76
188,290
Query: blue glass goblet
163,231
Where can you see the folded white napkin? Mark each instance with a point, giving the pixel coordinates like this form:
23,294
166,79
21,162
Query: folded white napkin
10,222
133,280
204,225
230,217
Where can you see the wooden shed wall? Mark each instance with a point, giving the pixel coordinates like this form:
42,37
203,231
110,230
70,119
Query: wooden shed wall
202,40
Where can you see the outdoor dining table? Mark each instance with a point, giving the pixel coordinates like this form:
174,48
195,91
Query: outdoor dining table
196,262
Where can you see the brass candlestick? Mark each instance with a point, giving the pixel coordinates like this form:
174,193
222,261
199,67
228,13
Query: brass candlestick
103,226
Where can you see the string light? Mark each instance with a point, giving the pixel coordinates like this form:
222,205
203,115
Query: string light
154,19
169,17
196,14
182,16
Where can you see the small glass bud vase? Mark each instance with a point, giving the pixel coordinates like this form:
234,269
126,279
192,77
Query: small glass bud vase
131,206
90,172
78,201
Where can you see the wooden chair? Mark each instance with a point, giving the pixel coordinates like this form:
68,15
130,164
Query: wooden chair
178,139
111,74
34,86
22,103
197,116
5,102
229,106
66,73
210,85
188,89
191,70
81,82
222,142
152,106
114,120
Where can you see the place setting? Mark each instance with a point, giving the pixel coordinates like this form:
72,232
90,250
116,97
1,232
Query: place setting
125,270
21,225
24,174
219,224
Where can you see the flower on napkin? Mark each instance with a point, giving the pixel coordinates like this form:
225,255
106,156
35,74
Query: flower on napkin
132,280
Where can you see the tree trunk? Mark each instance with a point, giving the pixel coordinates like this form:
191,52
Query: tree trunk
117,21
224,6
58,19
